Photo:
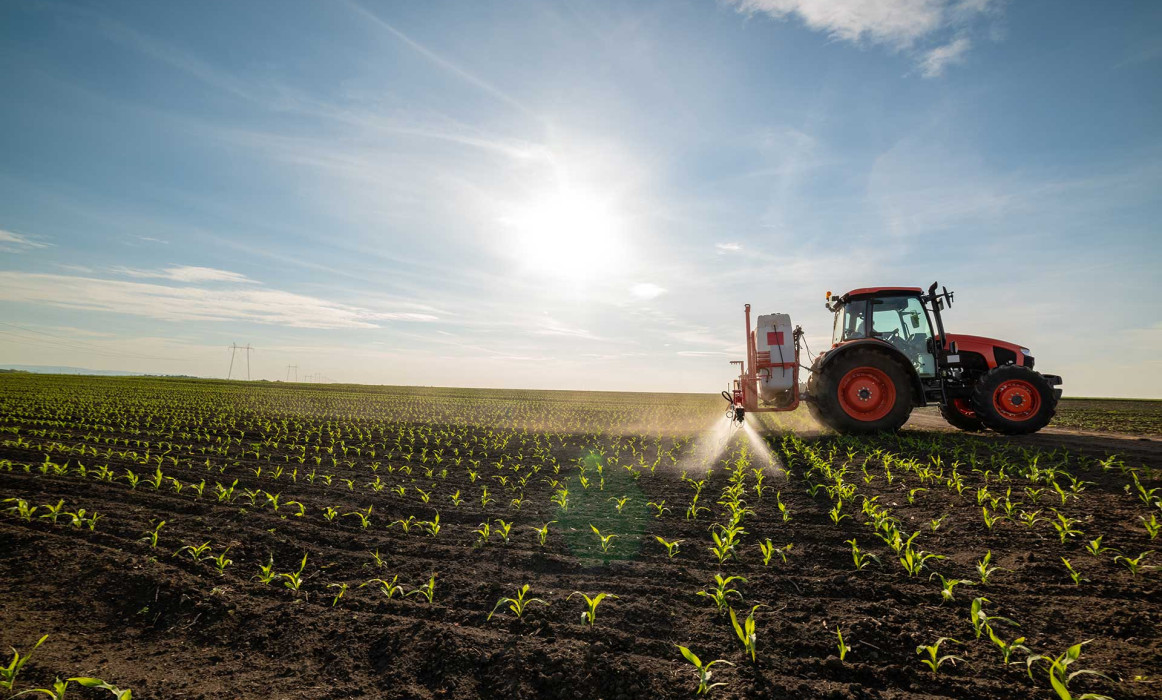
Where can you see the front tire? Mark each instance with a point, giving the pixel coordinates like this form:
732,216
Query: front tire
960,414
863,391
1014,400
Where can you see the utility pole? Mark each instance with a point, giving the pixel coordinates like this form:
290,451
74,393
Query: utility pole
233,350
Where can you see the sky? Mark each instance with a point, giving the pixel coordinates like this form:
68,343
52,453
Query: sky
572,195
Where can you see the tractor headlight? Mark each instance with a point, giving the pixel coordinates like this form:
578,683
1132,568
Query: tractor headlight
1025,351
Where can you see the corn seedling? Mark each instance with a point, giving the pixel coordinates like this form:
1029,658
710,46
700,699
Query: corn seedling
197,552
589,615
746,631
428,590
342,589
118,694
8,673
1134,564
704,684
659,508
295,579
984,570
518,604
1060,675
671,547
620,503
1065,526
720,593
947,584
861,559
1152,525
981,620
1073,573
22,509
841,646
542,531
934,660
914,560
605,540
1007,648
53,512
388,588
266,572
503,529
221,562
151,535
1094,547
364,518
935,523
485,531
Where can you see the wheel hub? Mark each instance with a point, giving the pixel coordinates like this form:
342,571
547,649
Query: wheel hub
1017,400
867,393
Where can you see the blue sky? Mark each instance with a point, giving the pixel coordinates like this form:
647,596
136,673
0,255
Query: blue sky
572,194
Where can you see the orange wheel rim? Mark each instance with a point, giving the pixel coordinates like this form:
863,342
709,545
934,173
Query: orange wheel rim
1017,400
867,393
963,408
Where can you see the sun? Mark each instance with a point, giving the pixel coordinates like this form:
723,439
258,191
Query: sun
567,233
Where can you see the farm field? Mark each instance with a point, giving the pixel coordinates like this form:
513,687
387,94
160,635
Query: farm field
328,541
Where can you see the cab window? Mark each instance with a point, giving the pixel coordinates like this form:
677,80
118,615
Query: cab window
850,322
903,322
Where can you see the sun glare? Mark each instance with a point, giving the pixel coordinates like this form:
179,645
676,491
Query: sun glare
569,233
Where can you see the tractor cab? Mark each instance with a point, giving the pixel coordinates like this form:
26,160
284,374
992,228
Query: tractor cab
893,315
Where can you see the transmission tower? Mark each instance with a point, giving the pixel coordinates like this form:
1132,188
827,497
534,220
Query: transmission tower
234,348
290,369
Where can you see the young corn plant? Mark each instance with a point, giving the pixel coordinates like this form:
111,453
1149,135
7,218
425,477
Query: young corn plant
342,589
620,503
946,586
914,560
266,572
1095,547
428,590
542,531
388,588
1007,648
57,692
8,673
151,535
1073,573
934,660
746,631
294,580
503,529
984,570
862,559
118,693
364,518
197,551
517,605
671,547
981,620
606,541
1134,564
842,646
221,562
589,615
659,508
1152,525
1059,674
720,592
1065,526
704,673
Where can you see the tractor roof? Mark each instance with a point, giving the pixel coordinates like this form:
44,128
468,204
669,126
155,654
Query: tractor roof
871,291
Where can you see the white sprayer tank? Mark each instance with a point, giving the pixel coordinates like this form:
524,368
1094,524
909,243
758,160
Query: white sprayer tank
775,364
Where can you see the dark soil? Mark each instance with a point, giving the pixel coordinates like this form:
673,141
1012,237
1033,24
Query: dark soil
168,627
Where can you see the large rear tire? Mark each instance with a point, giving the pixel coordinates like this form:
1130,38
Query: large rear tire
1014,400
863,391
960,414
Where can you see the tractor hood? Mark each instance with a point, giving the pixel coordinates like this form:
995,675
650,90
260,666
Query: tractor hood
995,352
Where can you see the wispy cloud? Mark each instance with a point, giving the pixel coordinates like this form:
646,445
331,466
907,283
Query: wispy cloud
933,62
896,24
15,243
187,273
192,303
724,248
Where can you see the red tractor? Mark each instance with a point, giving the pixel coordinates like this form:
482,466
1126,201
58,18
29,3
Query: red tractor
886,358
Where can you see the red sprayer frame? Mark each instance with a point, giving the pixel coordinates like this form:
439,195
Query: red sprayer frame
744,395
